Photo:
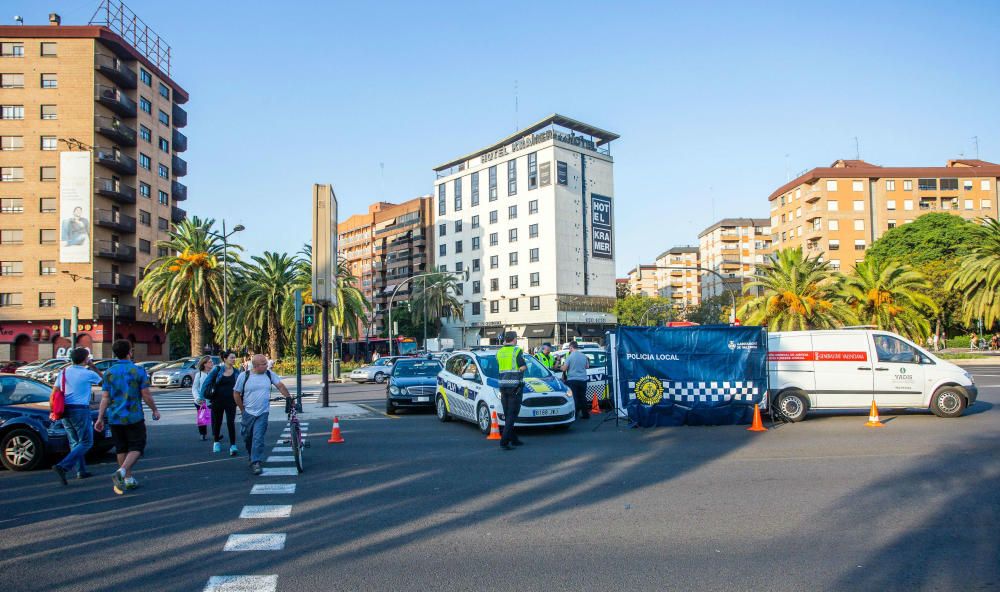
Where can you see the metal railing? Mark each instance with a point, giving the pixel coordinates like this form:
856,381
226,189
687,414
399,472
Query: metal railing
115,100
115,69
118,17
114,219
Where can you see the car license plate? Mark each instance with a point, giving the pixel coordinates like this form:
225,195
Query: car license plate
543,412
421,399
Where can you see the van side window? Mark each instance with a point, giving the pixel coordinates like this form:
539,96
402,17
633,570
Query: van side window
893,350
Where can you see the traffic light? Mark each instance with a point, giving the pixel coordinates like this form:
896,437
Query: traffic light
308,315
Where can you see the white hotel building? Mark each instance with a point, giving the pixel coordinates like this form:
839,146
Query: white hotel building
531,218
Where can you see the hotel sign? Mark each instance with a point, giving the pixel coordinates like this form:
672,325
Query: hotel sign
602,243
529,141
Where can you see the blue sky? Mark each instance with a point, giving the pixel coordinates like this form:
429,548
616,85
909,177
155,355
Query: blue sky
717,103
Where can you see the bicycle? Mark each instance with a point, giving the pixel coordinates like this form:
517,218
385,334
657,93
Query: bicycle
297,441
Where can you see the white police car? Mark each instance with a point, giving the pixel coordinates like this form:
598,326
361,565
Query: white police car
469,389
598,372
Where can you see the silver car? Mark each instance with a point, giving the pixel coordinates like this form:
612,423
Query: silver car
179,373
39,366
377,371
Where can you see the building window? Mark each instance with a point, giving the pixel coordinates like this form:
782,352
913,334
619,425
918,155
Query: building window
831,185
512,304
10,299
907,185
12,112
47,205
835,264
494,285
511,212
494,239
474,181
949,184
859,245
144,189
164,118
475,243
512,259
145,105
908,205
834,225
494,261
493,183
161,251
476,310
476,286
494,305
11,268
969,204
11,205
442,204
857,186
49,143
46,299
832,205
145,218
442,250
458,249
47,236
834,245
859,225
986,204
535,303
163,171
512,176
533,255
533,279
458,194
859,205
164,145
475,221
11,174
48,49
442,229
513,282
984,185
512,235
533,206
12,80
12,50
145,162
164,198
145,76
892,224
162,223
533,231
458,226
442,268
890,185
145,133
50,112
9,143
545,174
927,184
11,236
164,91
493,217
50,81
532,171
890,204
47,173
562,173
475,264
144,245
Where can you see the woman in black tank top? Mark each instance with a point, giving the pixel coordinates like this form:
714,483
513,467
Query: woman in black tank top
224,405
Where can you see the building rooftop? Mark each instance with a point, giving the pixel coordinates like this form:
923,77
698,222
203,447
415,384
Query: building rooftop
736,222
600,136
678,251
852,169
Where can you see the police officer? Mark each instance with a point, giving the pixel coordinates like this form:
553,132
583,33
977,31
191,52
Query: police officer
511,366
545,356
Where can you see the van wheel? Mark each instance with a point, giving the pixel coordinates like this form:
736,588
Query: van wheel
791,405
948,401
441,409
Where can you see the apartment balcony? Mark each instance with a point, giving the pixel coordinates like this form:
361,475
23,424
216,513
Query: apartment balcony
115,221
115,189
928,204
178,191
814,214
812,196
180,141
117,282
731,259
106,310
676,273
180,166
115,160
729,236
113,129
728,265
177,215
116,100
180,116
116,251
116,70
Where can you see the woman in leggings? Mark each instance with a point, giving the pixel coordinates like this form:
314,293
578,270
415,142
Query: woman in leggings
202,370
218,389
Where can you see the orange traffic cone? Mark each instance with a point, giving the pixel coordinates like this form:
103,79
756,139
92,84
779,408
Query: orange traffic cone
757,425
595,406
494,427
873,419
335,436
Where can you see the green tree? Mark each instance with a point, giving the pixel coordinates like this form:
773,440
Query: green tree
978,276
638,309
186,284
437,295
621,290
711,311
891,296
931,237
351,311
265,284
796,293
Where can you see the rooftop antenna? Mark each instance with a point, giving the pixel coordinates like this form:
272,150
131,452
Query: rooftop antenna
515,106
19,20
975,142
788,174
381,168
857,149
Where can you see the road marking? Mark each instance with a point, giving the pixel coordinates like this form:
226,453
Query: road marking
250,512
281,449
255,542
375,411
273,489
280,459
279,472
242,584
304,424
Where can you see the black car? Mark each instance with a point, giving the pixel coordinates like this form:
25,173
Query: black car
27,436
412,383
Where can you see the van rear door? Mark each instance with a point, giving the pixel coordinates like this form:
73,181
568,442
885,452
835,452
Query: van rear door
844,369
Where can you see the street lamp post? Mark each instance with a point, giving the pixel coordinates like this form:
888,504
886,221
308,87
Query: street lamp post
722,278
114,315
464,275
225,279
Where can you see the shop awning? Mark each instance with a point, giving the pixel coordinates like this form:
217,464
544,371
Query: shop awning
591,330
492,332
540,330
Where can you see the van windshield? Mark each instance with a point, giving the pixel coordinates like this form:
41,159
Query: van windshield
488,362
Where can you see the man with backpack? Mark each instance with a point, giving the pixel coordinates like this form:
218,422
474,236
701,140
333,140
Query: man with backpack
253,396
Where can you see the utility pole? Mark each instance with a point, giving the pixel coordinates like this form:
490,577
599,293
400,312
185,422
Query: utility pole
326,355
298,350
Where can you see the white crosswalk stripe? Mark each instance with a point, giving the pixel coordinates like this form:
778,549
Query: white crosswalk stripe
174,399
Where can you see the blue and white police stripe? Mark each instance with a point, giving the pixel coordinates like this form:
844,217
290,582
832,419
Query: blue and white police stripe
705,391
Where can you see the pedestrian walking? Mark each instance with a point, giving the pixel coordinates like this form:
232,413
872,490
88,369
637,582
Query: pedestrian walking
126,388
218,391
253,396
375,357
511,366
204,367
575,366
973,341
545,356
246,362
77,379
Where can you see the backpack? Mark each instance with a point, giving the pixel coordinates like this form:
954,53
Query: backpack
246,376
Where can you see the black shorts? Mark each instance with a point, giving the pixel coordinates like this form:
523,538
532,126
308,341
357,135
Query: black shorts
129,438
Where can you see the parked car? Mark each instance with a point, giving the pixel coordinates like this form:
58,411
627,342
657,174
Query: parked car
412,384
378,371
469,389
48,375
179,373
27,436
37,365
598,373
9,366
151,366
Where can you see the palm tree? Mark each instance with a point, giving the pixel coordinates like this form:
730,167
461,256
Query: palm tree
436,294
186,284
265,284
889,295
796,293
352,307
978,276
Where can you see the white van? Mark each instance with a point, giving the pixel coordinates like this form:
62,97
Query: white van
846,368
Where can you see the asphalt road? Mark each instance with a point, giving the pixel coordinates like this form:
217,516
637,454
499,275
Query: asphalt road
413,504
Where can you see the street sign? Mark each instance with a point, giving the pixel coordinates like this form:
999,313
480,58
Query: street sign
324,245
